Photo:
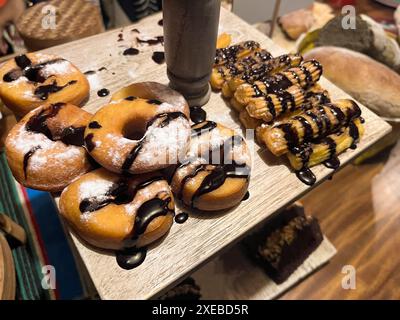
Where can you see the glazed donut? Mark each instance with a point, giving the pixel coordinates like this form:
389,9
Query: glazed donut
153,91
216,173
135,135
29,80
45,149
111,211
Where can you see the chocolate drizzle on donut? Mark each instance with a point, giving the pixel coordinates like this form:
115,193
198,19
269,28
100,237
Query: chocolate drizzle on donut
43,92
94,125
119,193
154,101
33,72
73,136
130,98
38,123
217,173
135,151
27,156
90,145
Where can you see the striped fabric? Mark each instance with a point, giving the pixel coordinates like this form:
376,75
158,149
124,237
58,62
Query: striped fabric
46,241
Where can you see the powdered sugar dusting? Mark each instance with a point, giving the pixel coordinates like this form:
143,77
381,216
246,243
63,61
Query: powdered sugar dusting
94,188
165,145
58,68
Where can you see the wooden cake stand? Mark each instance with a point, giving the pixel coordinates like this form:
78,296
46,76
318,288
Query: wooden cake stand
191,245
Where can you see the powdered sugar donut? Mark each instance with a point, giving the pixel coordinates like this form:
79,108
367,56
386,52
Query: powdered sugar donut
28,81
135,135
45,149
115,212
216,173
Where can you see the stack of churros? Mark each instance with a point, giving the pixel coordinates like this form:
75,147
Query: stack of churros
281,99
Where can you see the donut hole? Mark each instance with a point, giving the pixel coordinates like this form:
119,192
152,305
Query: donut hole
133,132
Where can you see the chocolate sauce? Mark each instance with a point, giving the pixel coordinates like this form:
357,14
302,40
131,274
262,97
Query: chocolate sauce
154,101
103,92
158,57
160,22
43,92
131,52
131,258
22,61
152,42
27,156
120,37
89,72
94,125
135,30
308,130
306,176
217,178
130,98
90,145
332,163
135,151
246,196
208,126
73,136
38,122
102,69
147,212
290,135
354,134
181,217
218,173
197,114
27,69
119,193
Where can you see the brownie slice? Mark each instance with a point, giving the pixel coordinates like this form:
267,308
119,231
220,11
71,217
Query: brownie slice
283,244
187,290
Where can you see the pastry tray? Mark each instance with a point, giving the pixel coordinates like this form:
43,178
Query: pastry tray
190,245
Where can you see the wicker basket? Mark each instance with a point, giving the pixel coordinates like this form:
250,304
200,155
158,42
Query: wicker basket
42,26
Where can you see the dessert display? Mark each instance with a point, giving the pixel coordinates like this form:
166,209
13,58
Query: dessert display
187,290
216,172
107,164
284,243
281,99
116,212
352,72
28,81
45,149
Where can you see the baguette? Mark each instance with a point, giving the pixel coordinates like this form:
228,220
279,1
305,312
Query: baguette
367,80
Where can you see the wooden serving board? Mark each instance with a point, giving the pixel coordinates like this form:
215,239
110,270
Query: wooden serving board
272,187
233,276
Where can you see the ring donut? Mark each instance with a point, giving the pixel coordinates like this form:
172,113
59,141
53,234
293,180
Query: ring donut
216,173
152,90
45,149
29,80
136,135
115,212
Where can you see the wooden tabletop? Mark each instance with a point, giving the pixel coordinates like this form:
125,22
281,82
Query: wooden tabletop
362,220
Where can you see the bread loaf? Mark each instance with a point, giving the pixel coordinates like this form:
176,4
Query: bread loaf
367,80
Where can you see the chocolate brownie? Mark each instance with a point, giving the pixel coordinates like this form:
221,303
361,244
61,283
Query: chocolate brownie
187,290
285,241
